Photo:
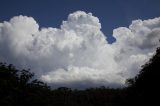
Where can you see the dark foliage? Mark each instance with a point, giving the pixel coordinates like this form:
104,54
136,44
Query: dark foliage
144,88
19,88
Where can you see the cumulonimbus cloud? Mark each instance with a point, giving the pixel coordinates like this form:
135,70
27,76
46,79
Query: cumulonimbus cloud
77,54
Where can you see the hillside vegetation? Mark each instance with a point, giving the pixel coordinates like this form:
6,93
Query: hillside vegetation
19,88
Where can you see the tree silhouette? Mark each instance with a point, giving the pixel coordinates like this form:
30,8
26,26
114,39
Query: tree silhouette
145,86
20,88
17,88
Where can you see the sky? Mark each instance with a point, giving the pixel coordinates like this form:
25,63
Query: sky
112,13
79,43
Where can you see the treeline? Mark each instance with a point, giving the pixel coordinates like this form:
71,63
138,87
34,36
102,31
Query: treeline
19,88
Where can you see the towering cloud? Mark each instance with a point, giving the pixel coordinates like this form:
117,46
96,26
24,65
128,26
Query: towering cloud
77,54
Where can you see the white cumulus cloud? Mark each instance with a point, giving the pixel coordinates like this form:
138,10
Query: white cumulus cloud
77,54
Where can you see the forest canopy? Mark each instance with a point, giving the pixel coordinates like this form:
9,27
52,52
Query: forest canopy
20,88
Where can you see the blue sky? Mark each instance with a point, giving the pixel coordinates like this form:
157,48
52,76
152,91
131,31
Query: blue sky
77,55
112,13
